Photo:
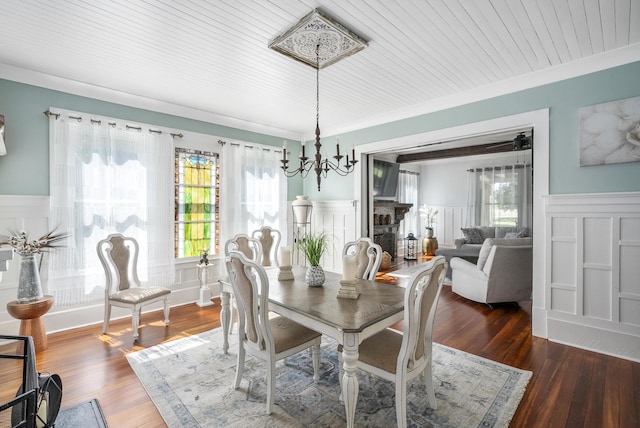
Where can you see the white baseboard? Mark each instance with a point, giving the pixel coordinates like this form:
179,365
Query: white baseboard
608,342
66,319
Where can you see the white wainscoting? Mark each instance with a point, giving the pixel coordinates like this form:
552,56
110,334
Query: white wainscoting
593,275
338,220
449,220
31,213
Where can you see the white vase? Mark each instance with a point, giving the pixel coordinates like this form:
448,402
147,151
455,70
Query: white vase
314,276
29,285
302,207
429,232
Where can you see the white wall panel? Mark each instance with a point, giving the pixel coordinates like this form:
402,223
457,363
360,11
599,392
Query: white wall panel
597,294
597,240
630,270
563,269
338,220
563,299
594,271
630,312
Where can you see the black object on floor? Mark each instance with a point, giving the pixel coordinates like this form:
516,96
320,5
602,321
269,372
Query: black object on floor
85,415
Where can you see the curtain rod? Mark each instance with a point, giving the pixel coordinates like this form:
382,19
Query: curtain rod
407,171
491,168
49,113
249,146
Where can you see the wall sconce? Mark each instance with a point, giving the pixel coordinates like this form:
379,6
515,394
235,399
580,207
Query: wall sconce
3,148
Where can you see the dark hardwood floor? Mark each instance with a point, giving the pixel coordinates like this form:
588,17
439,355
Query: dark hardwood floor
570,387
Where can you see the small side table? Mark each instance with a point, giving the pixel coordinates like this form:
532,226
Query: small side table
31,325
205,290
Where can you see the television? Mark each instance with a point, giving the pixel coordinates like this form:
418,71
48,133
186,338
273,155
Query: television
385,179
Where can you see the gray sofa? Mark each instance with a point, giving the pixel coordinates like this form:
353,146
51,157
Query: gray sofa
474,236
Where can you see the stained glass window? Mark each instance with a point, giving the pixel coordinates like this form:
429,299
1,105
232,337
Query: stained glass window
197,184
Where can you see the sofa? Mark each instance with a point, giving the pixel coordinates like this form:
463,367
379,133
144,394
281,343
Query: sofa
503,272
473,237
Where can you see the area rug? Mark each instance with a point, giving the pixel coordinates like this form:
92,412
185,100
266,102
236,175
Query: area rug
85,415
190,381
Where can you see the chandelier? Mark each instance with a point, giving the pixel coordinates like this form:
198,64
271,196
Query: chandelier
330,41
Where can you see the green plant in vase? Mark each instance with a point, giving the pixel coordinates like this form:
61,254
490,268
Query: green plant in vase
313,247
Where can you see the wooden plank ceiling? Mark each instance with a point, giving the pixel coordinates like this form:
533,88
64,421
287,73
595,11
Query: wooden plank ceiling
212,56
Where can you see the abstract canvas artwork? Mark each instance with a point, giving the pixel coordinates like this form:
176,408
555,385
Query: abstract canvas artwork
610,132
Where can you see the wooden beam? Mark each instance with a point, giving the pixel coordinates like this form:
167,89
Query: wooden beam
480,149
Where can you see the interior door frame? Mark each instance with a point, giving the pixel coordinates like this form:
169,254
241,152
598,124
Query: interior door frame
539,121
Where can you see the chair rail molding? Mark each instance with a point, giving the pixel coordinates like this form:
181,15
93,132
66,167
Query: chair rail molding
592,287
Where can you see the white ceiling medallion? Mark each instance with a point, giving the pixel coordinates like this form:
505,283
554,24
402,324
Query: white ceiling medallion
334,40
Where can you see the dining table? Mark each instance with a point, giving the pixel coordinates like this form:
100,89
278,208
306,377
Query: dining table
348,321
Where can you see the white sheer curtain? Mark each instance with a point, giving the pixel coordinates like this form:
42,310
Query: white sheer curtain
107,177
500,196
253,190
408,193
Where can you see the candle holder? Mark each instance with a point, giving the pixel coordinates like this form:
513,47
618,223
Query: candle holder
349,289
285,274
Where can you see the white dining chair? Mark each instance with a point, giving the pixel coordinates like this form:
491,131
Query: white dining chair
270,240
400,357
261,335
252,249
119,257
368,257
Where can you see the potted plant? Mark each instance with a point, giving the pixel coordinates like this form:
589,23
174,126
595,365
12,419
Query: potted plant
428,214
313,247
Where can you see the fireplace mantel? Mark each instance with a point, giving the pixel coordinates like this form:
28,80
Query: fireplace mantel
400,209
387,216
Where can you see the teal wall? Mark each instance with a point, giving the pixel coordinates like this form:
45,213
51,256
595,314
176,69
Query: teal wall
25,168
563,99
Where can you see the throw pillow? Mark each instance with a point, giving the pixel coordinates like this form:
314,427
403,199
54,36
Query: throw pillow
522,233
472,235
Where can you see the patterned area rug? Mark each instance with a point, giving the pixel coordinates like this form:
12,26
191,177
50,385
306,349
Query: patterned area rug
190,381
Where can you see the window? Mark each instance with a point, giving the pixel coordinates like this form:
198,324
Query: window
108,176
197,184
408,193
500,196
